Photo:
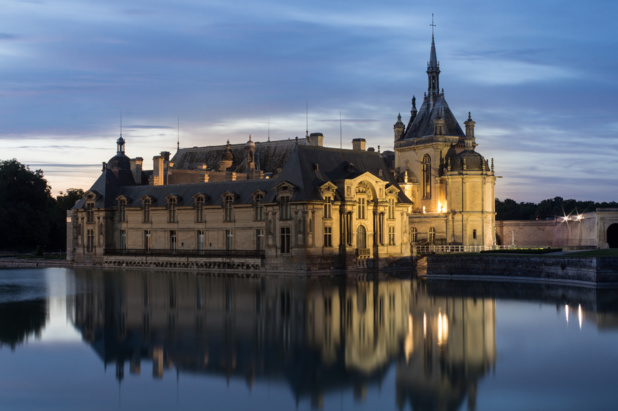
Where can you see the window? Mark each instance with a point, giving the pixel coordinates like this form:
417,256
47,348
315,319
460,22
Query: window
391,235
199,209
328,205
122,210
348,231
391,208
474,233
285,240
123,240
173,240
285,208
259,208
431,237
361,237
227,208
89,240
200,240
90,212
259,239
146,209
229,240
362,208
328,237
146,240
426,176
171,209
413,235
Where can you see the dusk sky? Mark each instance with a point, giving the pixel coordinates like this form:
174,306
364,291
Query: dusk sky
539,77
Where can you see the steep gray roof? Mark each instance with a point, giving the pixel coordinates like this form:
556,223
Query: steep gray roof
269,155
423,126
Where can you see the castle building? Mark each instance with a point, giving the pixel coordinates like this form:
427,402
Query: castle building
449,182
325,209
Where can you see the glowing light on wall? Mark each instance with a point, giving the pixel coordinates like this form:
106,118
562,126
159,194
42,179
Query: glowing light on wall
423,209
441,207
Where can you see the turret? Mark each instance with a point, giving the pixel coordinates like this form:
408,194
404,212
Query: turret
469,139
398,128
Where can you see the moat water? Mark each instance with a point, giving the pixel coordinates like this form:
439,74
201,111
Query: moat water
101,340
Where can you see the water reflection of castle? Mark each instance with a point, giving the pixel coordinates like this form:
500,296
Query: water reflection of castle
319,336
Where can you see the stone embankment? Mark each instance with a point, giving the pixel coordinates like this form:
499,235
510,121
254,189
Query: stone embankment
32,263
592,271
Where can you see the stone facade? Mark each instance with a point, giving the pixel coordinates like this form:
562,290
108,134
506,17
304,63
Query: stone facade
326,209
598,229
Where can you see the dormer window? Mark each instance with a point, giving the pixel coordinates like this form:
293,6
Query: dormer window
199,209
146,203
391,208
228,200
172,202
258,207
285,209
122,209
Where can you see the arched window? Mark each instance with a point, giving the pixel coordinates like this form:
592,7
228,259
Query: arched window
413,235
431,236
361,237
426,176
474,233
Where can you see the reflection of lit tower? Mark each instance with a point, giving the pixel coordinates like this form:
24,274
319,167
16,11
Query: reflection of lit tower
450,346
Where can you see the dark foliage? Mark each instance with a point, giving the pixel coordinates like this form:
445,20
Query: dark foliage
30,217
550,208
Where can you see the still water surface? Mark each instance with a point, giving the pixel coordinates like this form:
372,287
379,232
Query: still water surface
99,340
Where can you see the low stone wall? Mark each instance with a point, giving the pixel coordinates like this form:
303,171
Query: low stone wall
193,263
562,269
32,263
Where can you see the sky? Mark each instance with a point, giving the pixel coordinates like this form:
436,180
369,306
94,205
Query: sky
539,78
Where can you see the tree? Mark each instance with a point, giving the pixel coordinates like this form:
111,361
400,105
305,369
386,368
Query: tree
64,202
26,206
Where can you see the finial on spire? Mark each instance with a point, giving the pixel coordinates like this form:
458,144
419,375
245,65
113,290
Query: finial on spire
469,116
432,25
414,102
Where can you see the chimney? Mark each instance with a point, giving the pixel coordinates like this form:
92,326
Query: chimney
136,169
358,144
316,139
158,170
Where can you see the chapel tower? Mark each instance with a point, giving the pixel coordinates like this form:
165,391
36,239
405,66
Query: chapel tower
451,185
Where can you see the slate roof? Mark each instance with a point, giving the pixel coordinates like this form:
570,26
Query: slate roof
269,156
423,126
333,165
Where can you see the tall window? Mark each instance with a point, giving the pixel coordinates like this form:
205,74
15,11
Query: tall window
328,205
200,240
89,240
426,176
391,235
171,210
362,208
285,210
90,212
229,244
348,231
259,239
146,240
123,240
146,209
227,208
391,208
328,236
173,240
361,237
413,235
285,240
474,233
431,237
259,207
199,209
122,210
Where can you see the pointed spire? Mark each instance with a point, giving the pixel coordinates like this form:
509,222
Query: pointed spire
433,67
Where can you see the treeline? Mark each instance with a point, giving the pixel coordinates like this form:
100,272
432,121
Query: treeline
550,208
30,218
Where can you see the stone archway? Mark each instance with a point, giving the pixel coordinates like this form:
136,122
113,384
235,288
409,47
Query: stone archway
612,235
